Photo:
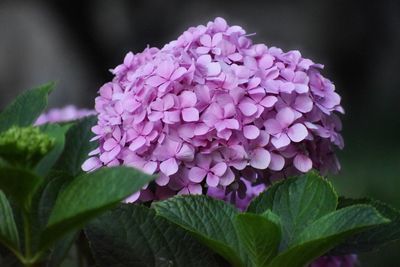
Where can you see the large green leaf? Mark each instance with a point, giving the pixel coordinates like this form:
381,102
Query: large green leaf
89,195
26,108
327,232
19,184
58,134
133,235
298,202
375,237
8,229
78,146
210,220
260,237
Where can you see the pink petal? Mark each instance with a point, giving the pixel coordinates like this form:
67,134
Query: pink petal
165,69
280,141
277,162
155,81
212,180
109,144
137,143
190,114
91,164
302,163
213,69
171,117
298,132
251,132
132,198
247,108
266,61
231,124
260,159
285,116
186,153
195,189
219,169
187,99
303,104
162,180
197,174
150,167
169,167
205,40
227,178
108,156
268,101
273,126
178,73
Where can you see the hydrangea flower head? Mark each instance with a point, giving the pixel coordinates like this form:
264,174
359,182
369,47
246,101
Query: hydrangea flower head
211,112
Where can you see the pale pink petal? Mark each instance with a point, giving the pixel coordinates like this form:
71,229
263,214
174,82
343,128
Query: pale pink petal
132,198
298,132
280,141
266,61
213,69
302,163
195,189
277,162
187,99
91,164
190,114
303,103
212,180
205,40
155,81
219,169
137,143
162,180
231,124
227,178
260,159
197,174
285,116
247,108
273,126
251,132
150,167
165,69
178,73
109,144
269,101
169,167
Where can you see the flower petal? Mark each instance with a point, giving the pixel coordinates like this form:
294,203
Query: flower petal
298,132
260,159
197,174
190,114
251,132
169,167
302,163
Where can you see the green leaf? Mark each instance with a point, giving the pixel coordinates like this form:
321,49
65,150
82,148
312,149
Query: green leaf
58,134
375,237
132,235
19,184
260,237
325,233
89,195
8,229
60,250
77,146
298,202
26,108
210,220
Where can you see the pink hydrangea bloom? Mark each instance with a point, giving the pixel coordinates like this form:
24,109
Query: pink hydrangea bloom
212,113
67,113
211,106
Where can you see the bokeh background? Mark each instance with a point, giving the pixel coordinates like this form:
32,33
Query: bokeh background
76,42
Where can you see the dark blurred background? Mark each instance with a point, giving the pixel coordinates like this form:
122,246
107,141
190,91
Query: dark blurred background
77,43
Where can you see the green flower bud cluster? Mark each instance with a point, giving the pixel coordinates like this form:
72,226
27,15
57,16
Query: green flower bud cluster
24,146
